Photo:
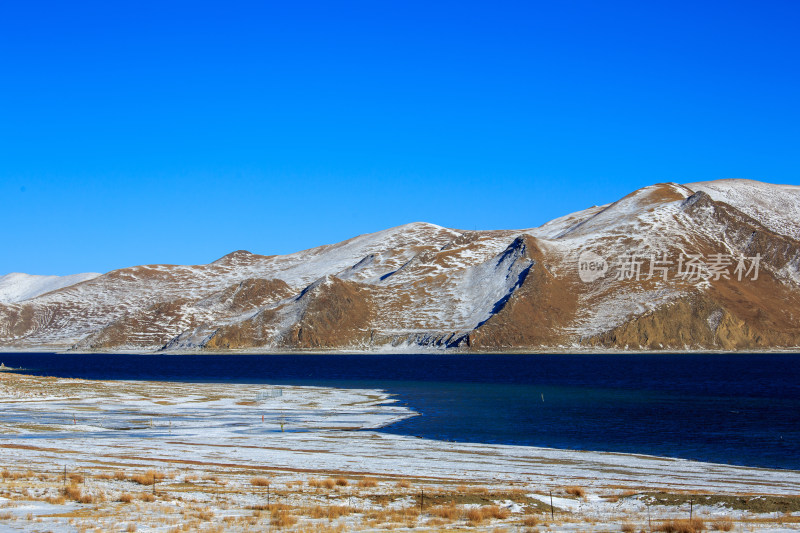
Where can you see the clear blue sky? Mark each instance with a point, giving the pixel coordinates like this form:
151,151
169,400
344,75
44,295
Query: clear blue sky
170,132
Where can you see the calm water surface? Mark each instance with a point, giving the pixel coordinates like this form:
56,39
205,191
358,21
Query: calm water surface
737,409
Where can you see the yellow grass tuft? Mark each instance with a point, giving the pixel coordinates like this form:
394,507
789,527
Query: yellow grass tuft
479,514
148,478
695,525
450,512
259,482
331,512
474,515
283,519
73,492
575,491
323,483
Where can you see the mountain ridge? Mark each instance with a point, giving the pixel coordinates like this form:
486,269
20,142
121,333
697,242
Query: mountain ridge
424,286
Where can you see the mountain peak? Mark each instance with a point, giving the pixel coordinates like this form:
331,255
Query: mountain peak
237,257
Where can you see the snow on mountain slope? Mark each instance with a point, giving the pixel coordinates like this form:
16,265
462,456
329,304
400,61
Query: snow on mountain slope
84,309
382,253
451,288
557,226
775,206
17,287
647,221
626,214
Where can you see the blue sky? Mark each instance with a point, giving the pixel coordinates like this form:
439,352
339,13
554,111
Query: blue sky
171,132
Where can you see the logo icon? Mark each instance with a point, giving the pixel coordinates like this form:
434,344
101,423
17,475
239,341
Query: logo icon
591,267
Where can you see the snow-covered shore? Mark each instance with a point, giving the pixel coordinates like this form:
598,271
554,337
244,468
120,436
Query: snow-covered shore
295,433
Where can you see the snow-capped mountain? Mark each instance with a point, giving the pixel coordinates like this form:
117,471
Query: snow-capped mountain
711,265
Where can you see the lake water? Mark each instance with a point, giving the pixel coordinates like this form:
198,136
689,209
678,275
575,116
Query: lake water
736,409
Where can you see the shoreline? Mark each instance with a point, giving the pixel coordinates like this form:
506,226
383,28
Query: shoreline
190,430
415,350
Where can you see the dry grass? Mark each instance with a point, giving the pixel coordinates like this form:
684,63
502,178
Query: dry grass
627,527
283,519
403,484
530,521
575,491
321,483
477,515
367,483
723,523
148,478
464,489
450,512
695,525
341,482
126,497
147,497
474,515
260,482
402,514
331,512
73,492
205,515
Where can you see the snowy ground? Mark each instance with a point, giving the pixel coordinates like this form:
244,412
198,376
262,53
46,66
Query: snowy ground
76,454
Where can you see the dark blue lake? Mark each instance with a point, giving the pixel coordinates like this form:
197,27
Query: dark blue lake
736,409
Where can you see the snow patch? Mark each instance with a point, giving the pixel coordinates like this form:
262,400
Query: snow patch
18,287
